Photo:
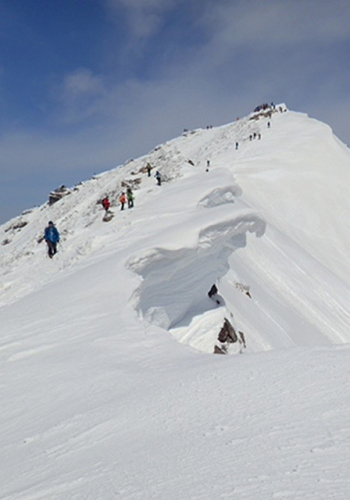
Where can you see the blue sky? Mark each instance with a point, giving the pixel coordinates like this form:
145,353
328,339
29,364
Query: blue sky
87,84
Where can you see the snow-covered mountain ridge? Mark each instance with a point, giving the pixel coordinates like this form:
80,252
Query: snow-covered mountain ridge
108,385
278,168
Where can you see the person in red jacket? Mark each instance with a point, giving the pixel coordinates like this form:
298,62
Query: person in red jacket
105,203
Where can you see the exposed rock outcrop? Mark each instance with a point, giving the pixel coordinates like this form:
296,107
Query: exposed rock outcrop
244,289
242,339
227,336
58,194
219,350
108,216
131,183
17,225
227,333
213,291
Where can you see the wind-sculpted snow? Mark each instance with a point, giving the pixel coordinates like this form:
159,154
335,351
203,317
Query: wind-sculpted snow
176,281
220,196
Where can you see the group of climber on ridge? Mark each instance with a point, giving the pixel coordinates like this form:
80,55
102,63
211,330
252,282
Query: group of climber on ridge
51,234
257,135
128,195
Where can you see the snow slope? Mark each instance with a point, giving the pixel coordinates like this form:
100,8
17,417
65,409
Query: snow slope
109,388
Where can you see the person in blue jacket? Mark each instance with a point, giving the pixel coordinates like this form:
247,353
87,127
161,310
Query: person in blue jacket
52,237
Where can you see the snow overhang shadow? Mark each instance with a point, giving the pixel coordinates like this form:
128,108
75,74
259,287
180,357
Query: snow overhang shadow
175,282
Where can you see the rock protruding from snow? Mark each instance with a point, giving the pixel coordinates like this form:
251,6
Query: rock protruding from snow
227,333
58,194
213,291
227,336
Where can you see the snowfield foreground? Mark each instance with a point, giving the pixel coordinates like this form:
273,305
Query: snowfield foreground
109,386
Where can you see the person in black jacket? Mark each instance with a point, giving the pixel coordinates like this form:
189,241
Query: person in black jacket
159,178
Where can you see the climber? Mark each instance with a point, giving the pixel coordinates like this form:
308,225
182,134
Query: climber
105,203
158,177
122,201
52,237
130,197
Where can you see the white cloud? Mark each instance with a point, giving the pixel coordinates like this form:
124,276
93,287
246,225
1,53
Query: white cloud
144,16
277,22
79,95
81,82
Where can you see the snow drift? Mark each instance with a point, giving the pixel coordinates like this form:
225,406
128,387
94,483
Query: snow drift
188,272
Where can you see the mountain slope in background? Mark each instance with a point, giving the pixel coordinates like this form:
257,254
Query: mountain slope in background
100,398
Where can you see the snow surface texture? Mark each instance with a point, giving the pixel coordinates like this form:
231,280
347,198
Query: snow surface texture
109,388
